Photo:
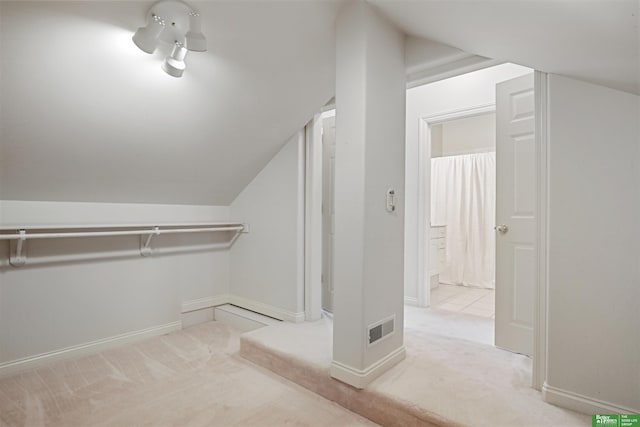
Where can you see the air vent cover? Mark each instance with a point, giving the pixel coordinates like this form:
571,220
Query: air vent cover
380,329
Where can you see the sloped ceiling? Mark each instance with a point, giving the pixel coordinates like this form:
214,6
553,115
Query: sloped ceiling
593,40
86,116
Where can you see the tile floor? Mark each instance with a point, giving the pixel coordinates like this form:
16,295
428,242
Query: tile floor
463,299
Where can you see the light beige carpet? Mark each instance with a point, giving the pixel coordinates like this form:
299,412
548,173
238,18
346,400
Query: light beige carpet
443,380
188,378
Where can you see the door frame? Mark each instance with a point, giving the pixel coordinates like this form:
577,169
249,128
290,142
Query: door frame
424,191
540,332
313,220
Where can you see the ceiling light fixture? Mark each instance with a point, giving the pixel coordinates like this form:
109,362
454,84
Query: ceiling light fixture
195,39
174,65
177,24
146,38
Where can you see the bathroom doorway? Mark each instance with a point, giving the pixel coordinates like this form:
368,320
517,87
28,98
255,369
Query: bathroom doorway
456,282
462,213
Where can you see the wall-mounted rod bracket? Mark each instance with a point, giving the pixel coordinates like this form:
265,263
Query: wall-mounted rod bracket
18,250
145,249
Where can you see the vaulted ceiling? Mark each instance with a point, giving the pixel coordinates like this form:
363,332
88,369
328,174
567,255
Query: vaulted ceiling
593,40
86,116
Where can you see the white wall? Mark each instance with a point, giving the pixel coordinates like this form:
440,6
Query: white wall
267,264
85,100
475,134
450,95
17,213
76,291
368,242
384,169
436,140
594,246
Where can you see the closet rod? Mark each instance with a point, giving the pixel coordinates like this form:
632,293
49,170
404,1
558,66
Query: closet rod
25,236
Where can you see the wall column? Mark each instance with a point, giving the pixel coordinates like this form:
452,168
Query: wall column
369,239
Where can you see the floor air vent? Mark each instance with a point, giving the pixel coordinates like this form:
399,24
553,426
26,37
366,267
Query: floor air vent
381,329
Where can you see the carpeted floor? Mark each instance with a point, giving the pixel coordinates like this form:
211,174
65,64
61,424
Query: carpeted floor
193,377
196,377
444,380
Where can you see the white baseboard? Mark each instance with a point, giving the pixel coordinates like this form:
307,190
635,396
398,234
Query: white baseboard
581,403
411,301
31,362
361,378
258,307
267,310
208,302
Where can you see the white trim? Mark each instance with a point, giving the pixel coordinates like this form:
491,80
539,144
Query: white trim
463,113
267,310
202,303
457,65
424,215
539,367
361,378
247,314
301,221
313,220
581,403
31,362
329,113
411,301
258,307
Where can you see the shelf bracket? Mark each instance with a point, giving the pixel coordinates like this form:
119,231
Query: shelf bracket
145,249
18,250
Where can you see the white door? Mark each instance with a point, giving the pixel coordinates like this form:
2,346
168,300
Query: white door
515,214
328,211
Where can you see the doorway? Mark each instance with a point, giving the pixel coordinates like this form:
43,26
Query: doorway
466,96
461,249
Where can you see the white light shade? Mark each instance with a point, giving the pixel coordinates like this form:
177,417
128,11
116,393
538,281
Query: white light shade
194,38
174,65
146,38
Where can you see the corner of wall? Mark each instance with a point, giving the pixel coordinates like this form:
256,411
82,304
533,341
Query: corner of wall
267,264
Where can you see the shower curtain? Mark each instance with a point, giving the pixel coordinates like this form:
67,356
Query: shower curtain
463,197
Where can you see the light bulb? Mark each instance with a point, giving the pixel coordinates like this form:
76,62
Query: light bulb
174,65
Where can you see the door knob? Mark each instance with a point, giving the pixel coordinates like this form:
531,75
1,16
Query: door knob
502,228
